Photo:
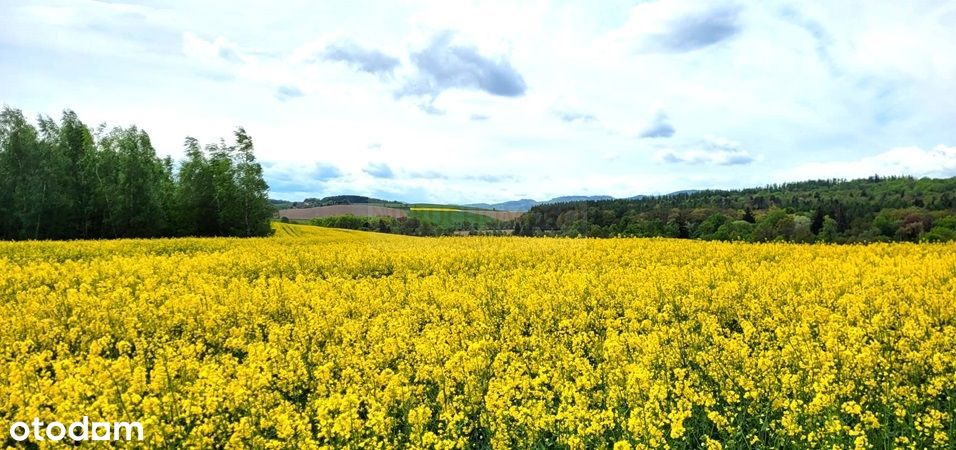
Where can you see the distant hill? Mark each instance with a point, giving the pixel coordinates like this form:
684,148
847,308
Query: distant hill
522,205
335,200
525,205
280,204
579,198
513,205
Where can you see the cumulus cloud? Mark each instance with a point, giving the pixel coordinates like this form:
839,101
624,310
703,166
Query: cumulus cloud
673,26
714,150
284,177
660,127
715,157
284,93
428,175
359,58
698,30
325,172
379,170
428,107
218,49
822,38
443,65
487,178
939,162
575,116
436,175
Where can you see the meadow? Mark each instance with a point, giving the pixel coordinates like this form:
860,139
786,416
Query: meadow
450,217
319,338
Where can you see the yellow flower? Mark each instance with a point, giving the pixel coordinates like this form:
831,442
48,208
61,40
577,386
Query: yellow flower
341,339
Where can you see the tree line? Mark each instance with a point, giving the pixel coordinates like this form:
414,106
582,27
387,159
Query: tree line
65,180
312,202
840,211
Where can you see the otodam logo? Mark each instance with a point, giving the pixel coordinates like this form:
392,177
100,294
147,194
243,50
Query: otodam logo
83,430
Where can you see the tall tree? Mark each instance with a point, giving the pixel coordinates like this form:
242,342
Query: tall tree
135,186
22,176
222,171
77,152
53,218
252,190
196,212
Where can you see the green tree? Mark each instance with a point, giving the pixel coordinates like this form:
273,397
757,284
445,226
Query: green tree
252,192
749,216
135,184
51,218
225,191
709,226
828,231
23,187
63,180
195,210
884,225
77,153
802,229
738,230
777,224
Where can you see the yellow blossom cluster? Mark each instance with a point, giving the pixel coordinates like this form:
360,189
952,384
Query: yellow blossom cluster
342,339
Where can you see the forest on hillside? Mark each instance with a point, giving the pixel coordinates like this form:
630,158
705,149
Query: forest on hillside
313,202
65,180
838,211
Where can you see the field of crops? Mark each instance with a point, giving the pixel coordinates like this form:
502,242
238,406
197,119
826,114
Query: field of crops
321,338
447,217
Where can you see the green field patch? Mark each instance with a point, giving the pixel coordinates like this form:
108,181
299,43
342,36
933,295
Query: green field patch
447,217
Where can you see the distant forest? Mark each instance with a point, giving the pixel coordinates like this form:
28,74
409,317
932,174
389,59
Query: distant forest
839,211
312,202
64,180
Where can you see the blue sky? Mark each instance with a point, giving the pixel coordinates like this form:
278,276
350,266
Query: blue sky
488,101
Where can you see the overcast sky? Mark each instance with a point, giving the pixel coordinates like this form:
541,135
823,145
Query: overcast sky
489,101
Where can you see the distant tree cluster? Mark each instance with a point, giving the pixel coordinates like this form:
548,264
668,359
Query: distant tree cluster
62,180
312,202
838,211
409,226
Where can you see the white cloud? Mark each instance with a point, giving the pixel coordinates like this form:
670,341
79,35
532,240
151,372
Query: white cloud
714,157
914,161
714,150
363,59
676,26
659,127
809,88
210,50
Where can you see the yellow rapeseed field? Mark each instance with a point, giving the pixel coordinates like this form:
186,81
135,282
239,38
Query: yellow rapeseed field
337,339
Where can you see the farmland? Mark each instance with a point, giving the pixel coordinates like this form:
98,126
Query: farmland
449,217
334,338
361,210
